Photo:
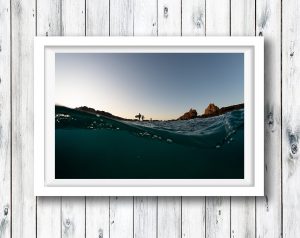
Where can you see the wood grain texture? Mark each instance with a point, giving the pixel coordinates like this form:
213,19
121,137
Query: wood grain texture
242,217
73,208
73,17
48,222
121,217
97,17
121,208
145,18
169,17
290,117
218,17
48,20
169,217
217,217
48,208
193,217
5,121
242,17
145,208
242,208
121,17
97,217
169,208
145,217
23,200
193,17
193,208
73,217
268,208
218,208
97,208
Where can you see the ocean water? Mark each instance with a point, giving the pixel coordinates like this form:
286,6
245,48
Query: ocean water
95,147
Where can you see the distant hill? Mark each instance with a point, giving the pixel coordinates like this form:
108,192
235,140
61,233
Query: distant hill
97,112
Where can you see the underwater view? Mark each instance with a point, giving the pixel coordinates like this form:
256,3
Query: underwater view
91,146
126,115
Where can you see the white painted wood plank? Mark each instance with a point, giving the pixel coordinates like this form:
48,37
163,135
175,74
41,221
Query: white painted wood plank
217,217
169,208
121,208
73,208
48,208
218,17
145,18
23,200
73,217
242,17
145,217
97,17
290,117
242,208
97,208
193,217
5,120
243,217
48,217
121,217
193,208
169,217
169,17
268,208
121,17
193,17
218,208
97,217
49,18
145,208
73,17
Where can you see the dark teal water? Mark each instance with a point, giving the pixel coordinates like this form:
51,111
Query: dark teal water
94,147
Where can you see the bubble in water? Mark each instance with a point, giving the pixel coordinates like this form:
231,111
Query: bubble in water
218,146
169,140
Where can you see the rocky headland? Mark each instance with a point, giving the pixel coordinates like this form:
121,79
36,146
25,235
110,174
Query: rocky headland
211,111
192,113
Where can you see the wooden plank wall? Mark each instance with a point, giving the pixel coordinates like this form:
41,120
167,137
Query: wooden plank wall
274,215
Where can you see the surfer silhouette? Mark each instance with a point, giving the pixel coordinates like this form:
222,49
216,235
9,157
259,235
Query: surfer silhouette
138,116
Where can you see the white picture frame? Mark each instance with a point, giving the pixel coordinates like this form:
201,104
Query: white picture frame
45,183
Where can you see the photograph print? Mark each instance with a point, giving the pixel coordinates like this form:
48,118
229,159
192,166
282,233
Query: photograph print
135,115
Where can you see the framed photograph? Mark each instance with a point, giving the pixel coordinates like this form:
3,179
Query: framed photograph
149,116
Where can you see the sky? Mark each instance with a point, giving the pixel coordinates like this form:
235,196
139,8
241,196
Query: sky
160,86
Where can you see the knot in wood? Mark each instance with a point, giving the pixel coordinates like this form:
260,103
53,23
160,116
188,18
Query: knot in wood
198,22
270,120
5,210
166,12
68,222
294,148
293,141
100,233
